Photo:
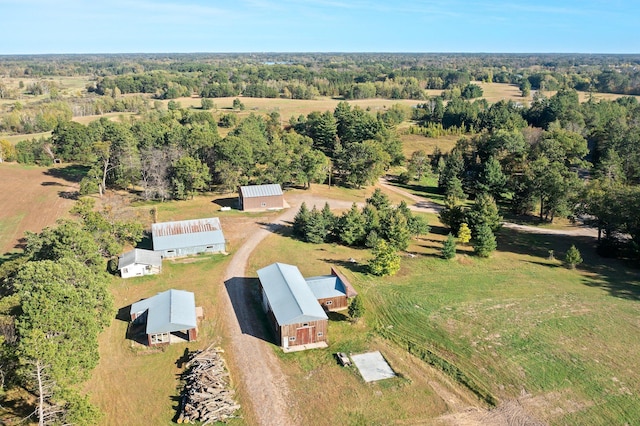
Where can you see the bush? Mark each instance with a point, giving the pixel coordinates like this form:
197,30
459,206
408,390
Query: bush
573,257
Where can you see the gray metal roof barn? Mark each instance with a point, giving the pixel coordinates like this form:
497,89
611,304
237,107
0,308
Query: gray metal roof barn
261,197
294,312
182,238
166,313
290,298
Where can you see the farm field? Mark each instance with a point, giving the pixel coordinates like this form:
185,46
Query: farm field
31,199
523,330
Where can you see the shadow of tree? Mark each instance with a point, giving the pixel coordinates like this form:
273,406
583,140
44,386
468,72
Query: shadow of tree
22,244
620,278
277,228
69,195
423,190
146,242
352,265
71,173
337,316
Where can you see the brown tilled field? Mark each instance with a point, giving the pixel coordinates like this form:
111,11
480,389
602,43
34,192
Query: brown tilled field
31,198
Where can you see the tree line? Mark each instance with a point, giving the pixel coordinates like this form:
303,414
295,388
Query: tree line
380,226
176,153
558,158
55,302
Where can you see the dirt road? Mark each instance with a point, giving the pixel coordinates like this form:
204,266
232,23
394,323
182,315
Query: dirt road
259,369
427,206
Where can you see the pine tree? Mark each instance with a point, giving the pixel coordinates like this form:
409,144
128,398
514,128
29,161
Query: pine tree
449,247
300,221
315,230
350,229
573,257
356,308
464,233
379,200
484,243
386,260
484,211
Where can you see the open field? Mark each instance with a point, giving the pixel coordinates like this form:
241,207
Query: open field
520,328
288,108
31,199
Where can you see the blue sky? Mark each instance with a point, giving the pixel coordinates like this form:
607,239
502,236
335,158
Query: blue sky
151,26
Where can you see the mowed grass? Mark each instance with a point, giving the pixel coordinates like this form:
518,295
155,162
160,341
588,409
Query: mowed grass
514,324
135,384
319,384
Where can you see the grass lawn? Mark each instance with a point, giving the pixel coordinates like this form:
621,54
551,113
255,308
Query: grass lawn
138,385
512,325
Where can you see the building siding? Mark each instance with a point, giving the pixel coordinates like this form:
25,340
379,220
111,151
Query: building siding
337,303
186,251
290,330
138,270
261,203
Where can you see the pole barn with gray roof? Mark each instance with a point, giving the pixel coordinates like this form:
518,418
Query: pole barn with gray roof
175,239
292,308
261,197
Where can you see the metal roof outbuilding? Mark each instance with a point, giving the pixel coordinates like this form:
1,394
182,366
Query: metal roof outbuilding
289,295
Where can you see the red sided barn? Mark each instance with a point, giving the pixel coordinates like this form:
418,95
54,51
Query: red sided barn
261,197
296,306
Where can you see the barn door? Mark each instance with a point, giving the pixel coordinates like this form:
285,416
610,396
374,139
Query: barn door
305,335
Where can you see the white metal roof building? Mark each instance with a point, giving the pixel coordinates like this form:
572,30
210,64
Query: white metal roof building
167,312
139,262
261,197
288,295
187,237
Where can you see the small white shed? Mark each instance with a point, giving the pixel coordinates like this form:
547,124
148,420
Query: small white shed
138,262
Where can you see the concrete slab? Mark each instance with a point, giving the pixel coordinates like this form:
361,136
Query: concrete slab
373,366
299,348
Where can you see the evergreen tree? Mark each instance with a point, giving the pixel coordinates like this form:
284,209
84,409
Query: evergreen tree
386,260
573,257
449,247
394,229
351,227
483,211
464,233
315,230
484,242
379,200
452,216
300,221
329,220
356,308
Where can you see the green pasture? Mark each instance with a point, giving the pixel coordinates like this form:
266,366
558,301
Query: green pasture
511,325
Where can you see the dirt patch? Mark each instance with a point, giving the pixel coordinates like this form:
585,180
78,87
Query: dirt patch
30,200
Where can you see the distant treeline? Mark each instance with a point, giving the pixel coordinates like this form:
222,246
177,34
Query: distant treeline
353,76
